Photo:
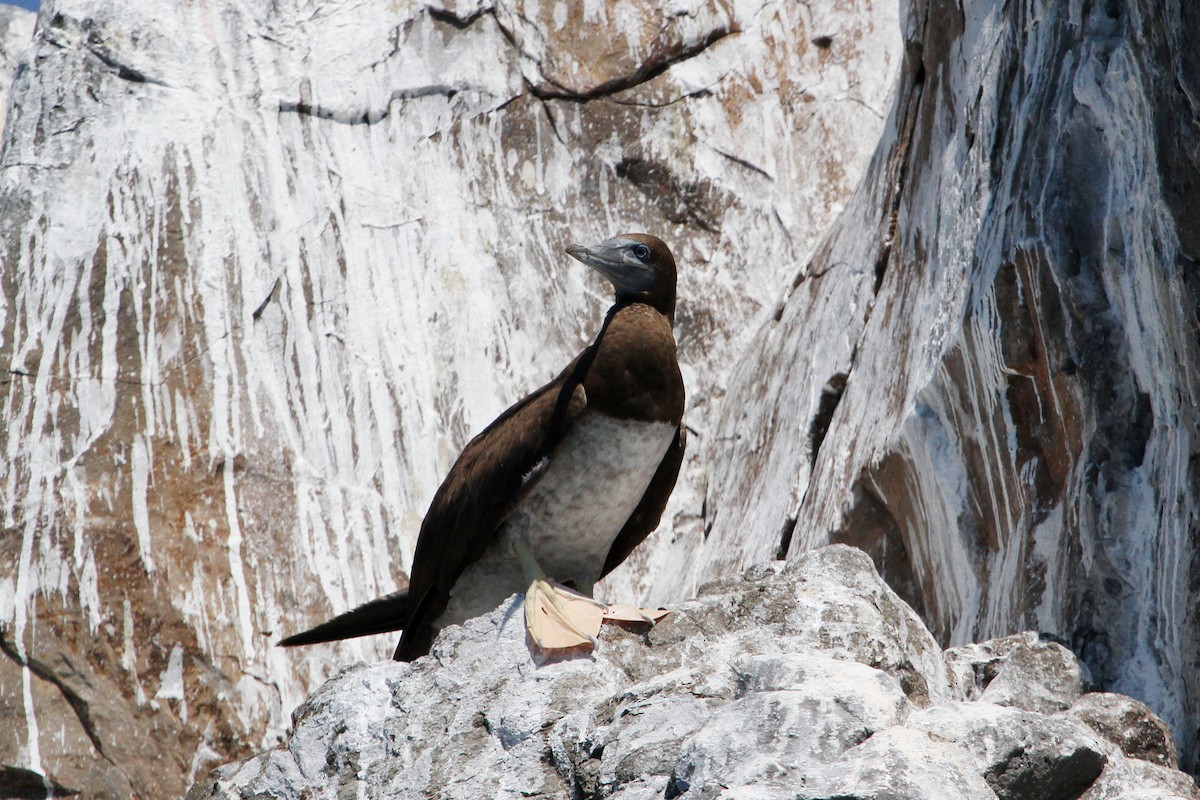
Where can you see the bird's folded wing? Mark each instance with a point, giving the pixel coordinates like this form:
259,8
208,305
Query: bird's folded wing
490,478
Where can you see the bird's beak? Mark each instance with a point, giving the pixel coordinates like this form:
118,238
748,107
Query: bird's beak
614,259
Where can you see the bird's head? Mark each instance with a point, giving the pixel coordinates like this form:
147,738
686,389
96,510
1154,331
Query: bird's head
640,268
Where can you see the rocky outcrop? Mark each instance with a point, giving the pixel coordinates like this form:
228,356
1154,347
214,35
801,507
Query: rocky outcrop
812,680
986,374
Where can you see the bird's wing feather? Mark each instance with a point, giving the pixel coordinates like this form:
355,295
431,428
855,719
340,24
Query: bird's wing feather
646,516
494,472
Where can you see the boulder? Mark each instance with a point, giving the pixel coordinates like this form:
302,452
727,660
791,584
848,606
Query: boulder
811,680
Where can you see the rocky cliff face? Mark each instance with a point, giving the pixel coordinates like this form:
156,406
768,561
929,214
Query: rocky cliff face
267,266
985,376
810,681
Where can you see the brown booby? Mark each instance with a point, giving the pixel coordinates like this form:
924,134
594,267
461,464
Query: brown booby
565,483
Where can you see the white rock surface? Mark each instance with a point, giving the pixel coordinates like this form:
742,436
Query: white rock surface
812,681
16,32
989,379
1004,671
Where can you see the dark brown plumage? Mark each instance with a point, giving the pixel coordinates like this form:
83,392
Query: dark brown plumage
628,373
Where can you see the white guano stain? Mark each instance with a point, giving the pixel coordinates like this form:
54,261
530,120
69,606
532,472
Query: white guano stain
139,473
171,682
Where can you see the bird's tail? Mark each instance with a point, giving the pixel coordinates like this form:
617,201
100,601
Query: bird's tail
382,615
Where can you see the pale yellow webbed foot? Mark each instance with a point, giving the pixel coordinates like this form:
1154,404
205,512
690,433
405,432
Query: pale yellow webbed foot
558,618
623,612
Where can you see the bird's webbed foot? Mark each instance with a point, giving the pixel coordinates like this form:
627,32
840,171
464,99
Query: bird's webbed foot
560,618
556,617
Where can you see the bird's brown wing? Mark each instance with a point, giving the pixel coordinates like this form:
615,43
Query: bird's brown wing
491,476
487,482
646,516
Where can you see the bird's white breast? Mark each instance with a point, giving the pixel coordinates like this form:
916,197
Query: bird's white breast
586,492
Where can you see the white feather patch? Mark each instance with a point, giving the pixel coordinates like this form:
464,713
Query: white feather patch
570,518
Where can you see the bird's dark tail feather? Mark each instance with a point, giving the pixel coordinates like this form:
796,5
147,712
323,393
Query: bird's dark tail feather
382,615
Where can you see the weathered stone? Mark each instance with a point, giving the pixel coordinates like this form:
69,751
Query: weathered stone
1023,670
736,695
1023,755
793,711
264,270
898,763
1129,725
1135,779
1007,414
16,30
851,614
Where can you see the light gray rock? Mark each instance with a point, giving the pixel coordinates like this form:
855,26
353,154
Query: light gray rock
267,266
1134,779
1007,414
16,31
1023,670
1023,755
899,764
810,710
1129,726
810,681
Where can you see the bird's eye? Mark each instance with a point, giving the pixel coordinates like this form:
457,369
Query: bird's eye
641,251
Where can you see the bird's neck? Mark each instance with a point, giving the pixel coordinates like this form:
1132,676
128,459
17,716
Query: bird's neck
630,371
661,304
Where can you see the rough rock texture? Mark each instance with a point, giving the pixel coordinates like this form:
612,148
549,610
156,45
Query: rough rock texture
267,266
16,30
986,376
812,680
998,672
1128,724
